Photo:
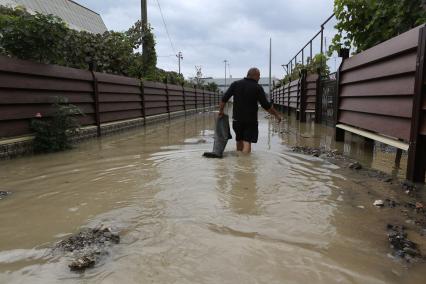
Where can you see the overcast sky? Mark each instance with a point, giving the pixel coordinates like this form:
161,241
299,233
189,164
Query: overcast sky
208,32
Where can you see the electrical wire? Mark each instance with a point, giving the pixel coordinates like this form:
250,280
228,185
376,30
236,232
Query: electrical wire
165,26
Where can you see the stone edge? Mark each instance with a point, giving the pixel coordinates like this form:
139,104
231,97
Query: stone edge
20,146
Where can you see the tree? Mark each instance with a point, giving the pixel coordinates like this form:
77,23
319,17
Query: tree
365,23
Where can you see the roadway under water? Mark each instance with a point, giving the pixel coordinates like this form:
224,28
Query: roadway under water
272,217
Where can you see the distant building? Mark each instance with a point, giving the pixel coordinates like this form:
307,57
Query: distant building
75,15
264,82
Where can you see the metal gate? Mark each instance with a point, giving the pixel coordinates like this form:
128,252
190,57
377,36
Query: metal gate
329,97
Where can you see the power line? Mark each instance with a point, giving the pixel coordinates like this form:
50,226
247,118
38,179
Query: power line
165,26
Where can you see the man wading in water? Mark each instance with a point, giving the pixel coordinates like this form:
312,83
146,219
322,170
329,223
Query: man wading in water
247,93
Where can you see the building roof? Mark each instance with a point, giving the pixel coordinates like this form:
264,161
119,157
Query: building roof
264,82
75,15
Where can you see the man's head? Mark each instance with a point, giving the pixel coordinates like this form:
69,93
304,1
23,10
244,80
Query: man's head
254,74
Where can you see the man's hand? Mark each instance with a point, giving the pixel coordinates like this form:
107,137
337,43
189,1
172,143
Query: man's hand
221,109
275,113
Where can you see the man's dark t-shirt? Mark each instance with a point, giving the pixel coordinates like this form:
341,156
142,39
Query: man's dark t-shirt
247,93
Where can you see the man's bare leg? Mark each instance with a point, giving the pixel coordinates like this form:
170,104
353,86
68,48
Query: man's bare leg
240,146
246,147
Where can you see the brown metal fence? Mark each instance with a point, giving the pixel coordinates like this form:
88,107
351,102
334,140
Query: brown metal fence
27,88
381,93
313,99
382,90
301,95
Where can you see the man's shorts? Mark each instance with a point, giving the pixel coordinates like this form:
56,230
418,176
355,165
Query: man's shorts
246,131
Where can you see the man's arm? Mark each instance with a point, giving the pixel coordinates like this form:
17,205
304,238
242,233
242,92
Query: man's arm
267,105
275,113
225,98
221,108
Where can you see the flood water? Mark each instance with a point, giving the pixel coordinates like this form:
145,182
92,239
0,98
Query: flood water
272,217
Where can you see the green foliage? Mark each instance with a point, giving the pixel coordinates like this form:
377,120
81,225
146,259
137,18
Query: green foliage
212,86
47,39
366,23
318,64
53,134
143,65
32,37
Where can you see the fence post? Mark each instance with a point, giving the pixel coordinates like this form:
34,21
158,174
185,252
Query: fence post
92,67
318,101
339,134
204,99
143,101
184,98
288,98
303,99
167,97
416,164
196,98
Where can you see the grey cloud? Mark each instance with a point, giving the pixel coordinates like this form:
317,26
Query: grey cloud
207,32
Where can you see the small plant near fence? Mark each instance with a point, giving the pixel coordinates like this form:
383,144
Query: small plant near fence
54,134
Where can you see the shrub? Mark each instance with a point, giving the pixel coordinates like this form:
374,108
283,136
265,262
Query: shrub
53,134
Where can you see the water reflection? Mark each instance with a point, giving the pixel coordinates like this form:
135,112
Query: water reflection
237,183
369,153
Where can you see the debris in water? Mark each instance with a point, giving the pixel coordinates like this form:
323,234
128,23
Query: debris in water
88,246
419,207
402,246
4,194
82,263
355,166
379,203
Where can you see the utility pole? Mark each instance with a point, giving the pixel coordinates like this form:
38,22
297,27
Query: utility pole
270,67
180,57
144,19
225,61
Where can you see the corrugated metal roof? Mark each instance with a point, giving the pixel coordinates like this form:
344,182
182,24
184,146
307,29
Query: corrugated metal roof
75,15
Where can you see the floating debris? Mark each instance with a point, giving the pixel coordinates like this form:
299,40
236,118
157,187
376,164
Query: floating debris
88,246
379,203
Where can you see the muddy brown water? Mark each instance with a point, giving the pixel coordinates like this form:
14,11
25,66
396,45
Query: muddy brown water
271,217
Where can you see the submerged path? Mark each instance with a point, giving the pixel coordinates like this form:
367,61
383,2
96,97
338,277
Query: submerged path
272,217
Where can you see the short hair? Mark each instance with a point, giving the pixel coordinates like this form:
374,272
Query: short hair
253,72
